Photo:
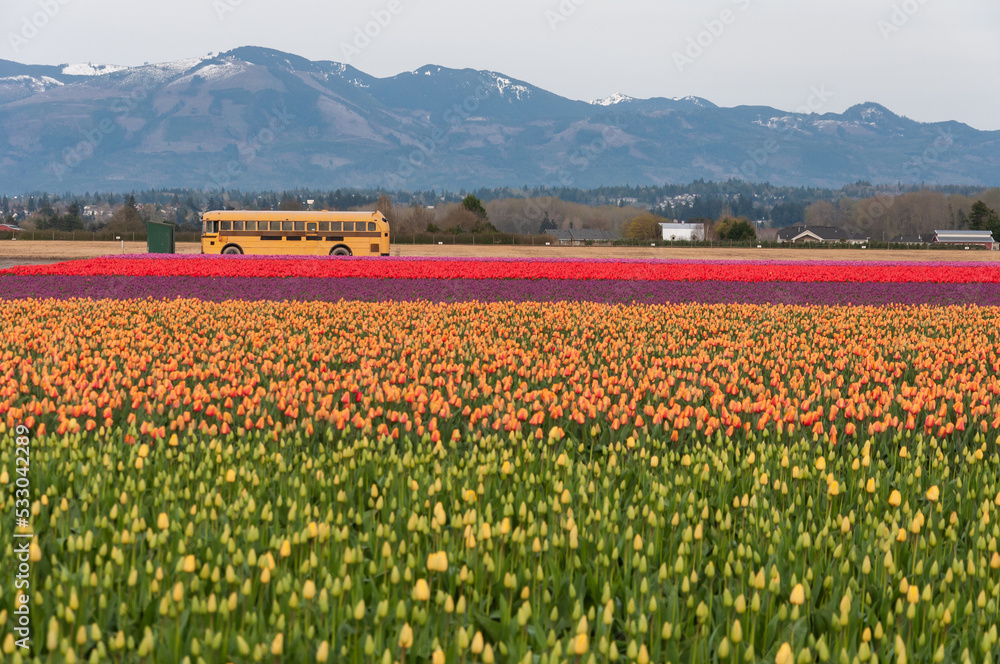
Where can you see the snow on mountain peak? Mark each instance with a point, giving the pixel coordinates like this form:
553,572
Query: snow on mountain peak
90,69
616,98
506,86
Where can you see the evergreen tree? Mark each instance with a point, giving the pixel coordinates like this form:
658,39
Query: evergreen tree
737,230
475,206
984,218
547,224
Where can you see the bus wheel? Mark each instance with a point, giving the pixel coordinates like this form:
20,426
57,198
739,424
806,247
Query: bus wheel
340,251
232,249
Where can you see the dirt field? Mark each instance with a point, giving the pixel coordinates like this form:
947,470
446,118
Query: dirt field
24,253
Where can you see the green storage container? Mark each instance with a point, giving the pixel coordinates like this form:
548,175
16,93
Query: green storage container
160,237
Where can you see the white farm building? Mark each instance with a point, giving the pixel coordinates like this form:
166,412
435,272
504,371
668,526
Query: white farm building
677,232
970,238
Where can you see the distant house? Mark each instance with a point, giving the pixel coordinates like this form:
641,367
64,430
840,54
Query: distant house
814,234
7,228
912,238
678,232
965,238
581,236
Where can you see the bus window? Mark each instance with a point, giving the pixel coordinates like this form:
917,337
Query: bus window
227,225
348,225
311,227
251,225
286,225
335,226
300,225
324,226
372,226
237,225
275,225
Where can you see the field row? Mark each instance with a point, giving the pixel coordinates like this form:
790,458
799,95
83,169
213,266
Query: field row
871,272
305,289
683,371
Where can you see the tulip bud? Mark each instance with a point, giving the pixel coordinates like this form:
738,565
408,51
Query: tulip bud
406,637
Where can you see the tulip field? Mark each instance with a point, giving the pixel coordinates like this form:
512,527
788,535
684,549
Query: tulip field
239,459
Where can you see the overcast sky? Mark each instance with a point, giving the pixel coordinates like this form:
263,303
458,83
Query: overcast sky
930,60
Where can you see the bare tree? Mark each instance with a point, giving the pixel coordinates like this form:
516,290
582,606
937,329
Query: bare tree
414,220
384,205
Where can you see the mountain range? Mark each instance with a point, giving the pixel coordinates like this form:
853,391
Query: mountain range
256,118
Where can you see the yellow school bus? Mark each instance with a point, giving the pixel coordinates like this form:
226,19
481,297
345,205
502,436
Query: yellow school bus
296,233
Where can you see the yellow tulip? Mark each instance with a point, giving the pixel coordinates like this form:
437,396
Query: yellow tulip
406,637
736,633
894,498
421,591
437,562
798,596
933,493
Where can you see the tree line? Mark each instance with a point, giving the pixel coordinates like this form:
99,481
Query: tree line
877,211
